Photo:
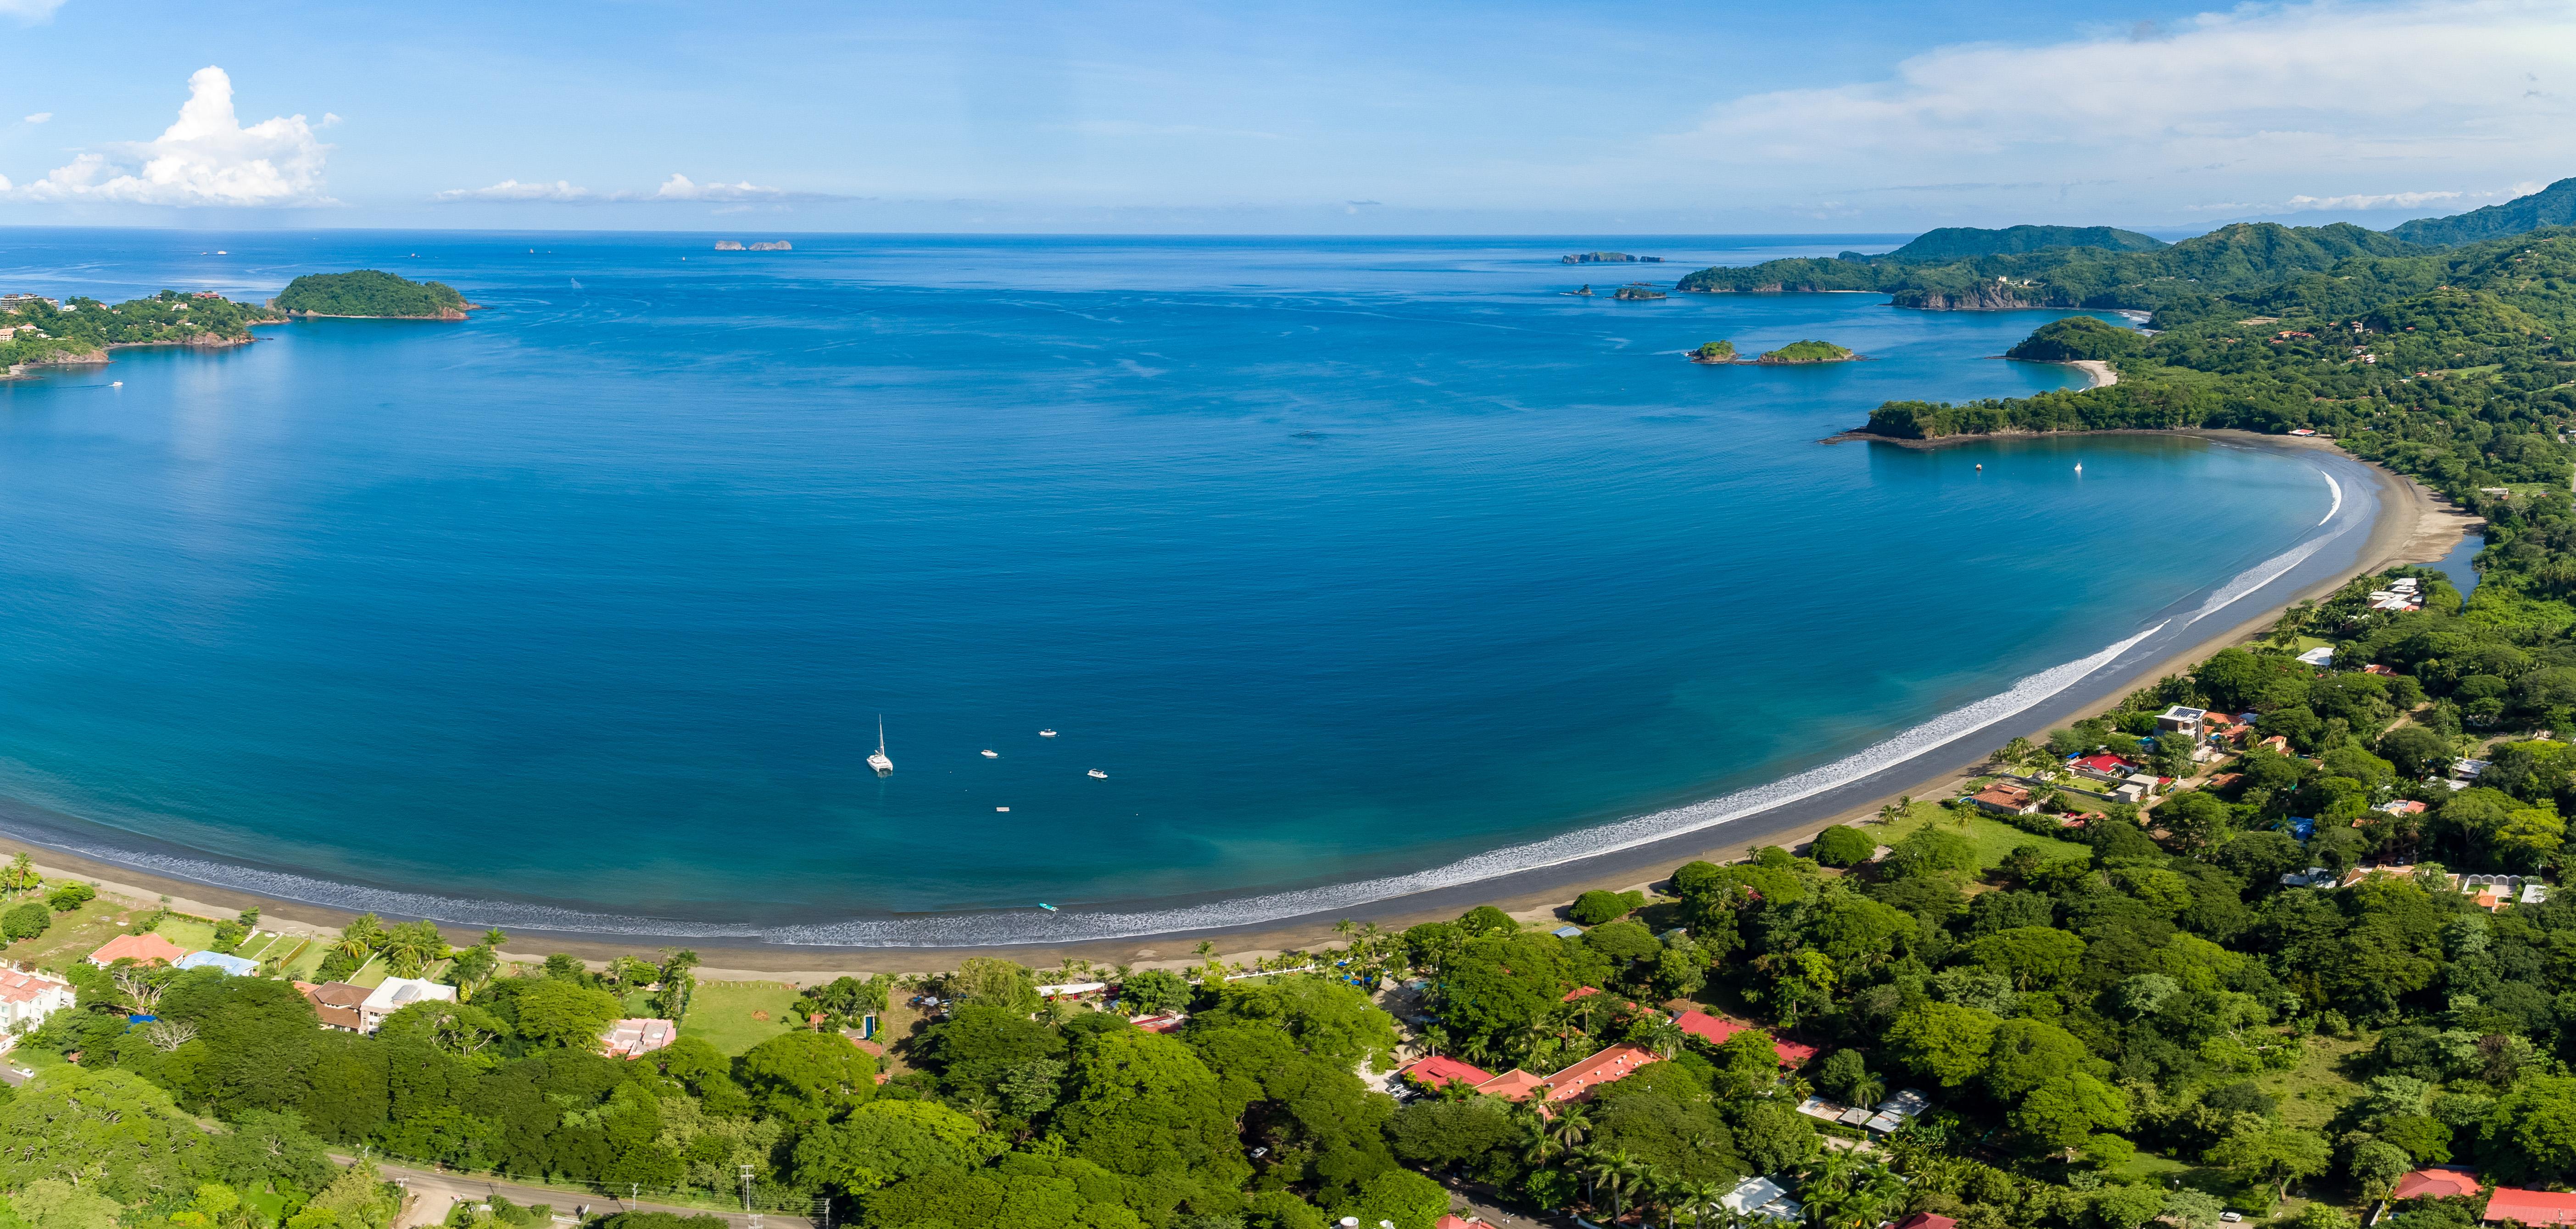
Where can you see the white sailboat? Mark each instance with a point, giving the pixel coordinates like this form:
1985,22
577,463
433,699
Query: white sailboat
878,761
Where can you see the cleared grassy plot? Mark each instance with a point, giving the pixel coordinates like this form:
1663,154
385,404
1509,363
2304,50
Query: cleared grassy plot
1993,838
734,1016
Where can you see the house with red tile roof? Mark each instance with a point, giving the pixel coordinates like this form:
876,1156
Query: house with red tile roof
141,949
2531,1207
1580,992
636,1037
1454,1221
1715,1031
1439,1070
2102,766
1513,1085
2436,1182
1926,1220
1576,1082
2005,799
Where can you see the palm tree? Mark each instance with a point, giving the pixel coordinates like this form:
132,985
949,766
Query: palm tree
1620,1176
1659,1034
1571,1127
1699,1198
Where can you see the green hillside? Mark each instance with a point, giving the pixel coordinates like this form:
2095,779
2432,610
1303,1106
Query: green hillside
369,292
2554,205
1964,242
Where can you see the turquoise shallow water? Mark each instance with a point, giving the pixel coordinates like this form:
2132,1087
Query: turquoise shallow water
1342,559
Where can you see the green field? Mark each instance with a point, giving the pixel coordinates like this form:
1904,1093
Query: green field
189,933
1993,838
73,935
722,1012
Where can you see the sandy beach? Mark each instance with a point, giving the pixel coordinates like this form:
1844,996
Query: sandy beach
2413,526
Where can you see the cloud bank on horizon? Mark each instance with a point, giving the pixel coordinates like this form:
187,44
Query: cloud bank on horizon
2369,109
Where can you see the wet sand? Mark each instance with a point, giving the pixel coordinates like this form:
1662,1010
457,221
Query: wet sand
2413,526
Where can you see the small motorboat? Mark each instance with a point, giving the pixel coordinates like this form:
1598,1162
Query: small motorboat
116,384
1099,775
1001,810
1043,905
1046,733
992,755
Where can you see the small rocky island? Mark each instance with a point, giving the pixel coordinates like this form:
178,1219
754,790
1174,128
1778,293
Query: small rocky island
370,294
1609,258
1714,352
1799,352
736,245
1638,292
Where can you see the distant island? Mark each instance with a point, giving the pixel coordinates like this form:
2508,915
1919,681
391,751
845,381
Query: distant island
39,332
736,245
370,294
1638,292
1714,352
2076,339
1610,258
1807,352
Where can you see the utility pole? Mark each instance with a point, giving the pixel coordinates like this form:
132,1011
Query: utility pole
746,1187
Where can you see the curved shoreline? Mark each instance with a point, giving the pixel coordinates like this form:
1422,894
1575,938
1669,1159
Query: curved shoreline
2403,525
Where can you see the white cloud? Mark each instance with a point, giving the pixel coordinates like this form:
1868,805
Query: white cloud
30,11
2256,101
38,118
205,158
2369,200
678,189
513,190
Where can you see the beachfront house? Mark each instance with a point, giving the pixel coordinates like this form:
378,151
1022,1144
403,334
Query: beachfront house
397,993
632,1038
2187,722
2003,798
2103,766
1765,1198
337,1003
26,998
1715,1031
141,949
231,966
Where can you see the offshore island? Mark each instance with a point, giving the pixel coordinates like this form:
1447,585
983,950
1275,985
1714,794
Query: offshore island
2272,929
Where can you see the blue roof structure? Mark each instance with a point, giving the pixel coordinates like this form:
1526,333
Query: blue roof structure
232,965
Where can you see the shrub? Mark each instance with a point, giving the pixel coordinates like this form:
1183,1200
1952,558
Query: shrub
1843,845
25,921
69,896
1598,906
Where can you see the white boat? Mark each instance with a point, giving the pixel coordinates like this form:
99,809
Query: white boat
878,761
992,755
1046,733
1097,773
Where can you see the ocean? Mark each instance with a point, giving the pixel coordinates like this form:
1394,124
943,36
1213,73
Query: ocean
1340,558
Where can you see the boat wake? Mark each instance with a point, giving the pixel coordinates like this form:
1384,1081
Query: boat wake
2277,566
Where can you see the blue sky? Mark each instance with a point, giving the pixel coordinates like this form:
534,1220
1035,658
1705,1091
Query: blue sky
1276,118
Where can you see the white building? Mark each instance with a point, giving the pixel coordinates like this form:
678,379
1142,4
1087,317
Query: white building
26,999
398,993
1764,1198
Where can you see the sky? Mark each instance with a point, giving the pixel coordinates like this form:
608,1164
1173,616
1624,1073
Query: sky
1326,117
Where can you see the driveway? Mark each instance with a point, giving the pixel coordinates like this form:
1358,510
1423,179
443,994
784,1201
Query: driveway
433,1193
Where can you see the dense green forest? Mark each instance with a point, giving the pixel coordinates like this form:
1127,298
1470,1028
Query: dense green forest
2554,205
84,326
1963,242
369,292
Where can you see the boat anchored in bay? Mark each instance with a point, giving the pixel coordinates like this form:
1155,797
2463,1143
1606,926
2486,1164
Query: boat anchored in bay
878,761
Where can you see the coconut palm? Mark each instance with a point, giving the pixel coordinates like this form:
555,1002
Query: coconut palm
1618,1175
1659,1034
1700,1199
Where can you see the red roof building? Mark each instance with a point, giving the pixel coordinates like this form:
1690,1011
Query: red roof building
1580,992
2531,1207
2005,799
1513,1085
2436,1182
1576,1083
1440,1069
1926,1220
1715,1031
2102,763
141,949
1454,1221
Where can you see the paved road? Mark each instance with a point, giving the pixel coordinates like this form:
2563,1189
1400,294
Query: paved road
433,1193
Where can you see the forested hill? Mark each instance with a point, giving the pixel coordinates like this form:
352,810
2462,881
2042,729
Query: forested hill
2554,205
2185,274
370,292
1966,242
2453,365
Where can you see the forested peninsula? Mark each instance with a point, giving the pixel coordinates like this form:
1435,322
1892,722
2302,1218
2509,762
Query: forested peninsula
35,332
370,293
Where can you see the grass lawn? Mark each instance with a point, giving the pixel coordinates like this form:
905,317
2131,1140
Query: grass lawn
2312,1093
71,936
1993,838
736,1015
188,933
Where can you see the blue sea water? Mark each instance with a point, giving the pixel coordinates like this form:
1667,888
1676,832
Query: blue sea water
1341,559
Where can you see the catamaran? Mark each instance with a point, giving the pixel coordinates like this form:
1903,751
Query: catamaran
878,761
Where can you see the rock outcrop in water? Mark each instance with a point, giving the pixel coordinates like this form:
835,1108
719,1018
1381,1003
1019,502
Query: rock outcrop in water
737,245
1609,258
